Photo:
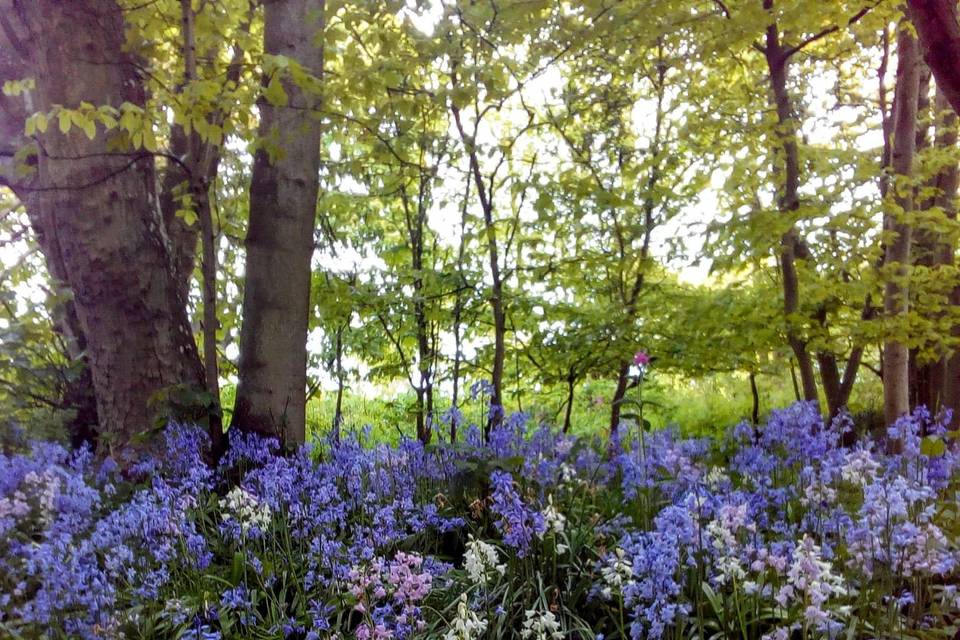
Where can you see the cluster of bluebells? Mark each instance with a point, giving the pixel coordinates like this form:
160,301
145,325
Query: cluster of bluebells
519,522
796,524
651,532
388,596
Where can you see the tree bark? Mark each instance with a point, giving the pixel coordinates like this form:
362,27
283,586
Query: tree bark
271,394
939,33
571,388
619,394
415,219
496,287
896,398
945,373
181,237
631,298
338,409
202,162
458,312
788,202
79,395
99,208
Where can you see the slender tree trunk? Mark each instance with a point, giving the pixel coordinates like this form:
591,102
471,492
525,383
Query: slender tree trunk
919,372
458,310
457,358
755,395
416,224
182,237
631,299
793,379
200,172
338,410
931,380
897,254
496,287
619,394
788,202
271,394
571,387
100,212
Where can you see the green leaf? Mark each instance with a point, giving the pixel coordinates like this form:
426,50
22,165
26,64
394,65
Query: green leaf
275,93
714,599
90,129
63,120
932,447
187,215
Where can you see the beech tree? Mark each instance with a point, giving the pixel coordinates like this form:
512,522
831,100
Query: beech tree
896,398
271,393
93,202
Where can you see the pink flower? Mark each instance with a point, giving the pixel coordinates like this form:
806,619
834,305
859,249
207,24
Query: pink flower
641,359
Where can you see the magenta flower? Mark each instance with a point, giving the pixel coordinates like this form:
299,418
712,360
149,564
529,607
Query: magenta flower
641,359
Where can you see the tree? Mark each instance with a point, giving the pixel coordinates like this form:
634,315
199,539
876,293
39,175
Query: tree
95,194
808,209
896,394
271,394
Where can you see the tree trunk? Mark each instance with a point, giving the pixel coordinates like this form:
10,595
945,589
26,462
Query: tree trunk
458,310
755,395
182,237
571,387
631,298
271,394
619,394
416,227
896,399
79,395
929,380
496,288
936,23
99,209
201,171
338,410
946,372
788,202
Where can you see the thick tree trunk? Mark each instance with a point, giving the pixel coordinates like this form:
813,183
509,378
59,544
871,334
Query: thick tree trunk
271,394
896,399
100,211
939,32
79,395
